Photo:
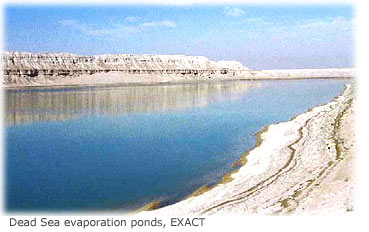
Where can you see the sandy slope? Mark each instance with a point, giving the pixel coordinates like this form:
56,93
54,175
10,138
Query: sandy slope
304,165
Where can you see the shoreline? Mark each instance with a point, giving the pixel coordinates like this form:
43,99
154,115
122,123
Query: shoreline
169,82
237,190
21,69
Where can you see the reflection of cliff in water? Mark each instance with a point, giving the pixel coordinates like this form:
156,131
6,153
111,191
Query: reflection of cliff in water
27,106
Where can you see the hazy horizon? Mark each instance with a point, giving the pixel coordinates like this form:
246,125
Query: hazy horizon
260,37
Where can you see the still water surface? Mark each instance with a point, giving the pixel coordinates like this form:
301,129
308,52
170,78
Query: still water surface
117,148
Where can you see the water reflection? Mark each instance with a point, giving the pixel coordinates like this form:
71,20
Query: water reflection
27,106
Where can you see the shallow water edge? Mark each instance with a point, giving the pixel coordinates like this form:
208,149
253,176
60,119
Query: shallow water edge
291,146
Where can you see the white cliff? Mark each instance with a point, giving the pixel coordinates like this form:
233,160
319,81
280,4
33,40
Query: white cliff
18,65
63,69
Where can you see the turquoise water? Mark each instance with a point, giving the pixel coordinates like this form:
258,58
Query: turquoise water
118,148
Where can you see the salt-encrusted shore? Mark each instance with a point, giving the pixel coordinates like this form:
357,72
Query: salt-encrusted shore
304,165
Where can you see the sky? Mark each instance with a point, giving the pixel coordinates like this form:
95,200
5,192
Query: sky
258,36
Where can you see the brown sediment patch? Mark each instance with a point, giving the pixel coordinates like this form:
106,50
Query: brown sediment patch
259,140
227,177
199,191
242,161
285,203
205,188
149,206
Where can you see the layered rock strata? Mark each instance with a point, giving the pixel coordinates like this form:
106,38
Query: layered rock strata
18,66
64,69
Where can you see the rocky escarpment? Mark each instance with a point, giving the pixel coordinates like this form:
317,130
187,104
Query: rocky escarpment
24,66
64,69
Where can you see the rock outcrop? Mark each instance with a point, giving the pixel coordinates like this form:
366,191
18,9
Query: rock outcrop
18,65
65,69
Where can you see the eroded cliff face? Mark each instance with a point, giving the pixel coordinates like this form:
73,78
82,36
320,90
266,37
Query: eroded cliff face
64,69
20,65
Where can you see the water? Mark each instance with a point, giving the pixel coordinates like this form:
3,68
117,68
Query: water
118,148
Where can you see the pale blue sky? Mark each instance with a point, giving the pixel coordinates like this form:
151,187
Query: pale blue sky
260,37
